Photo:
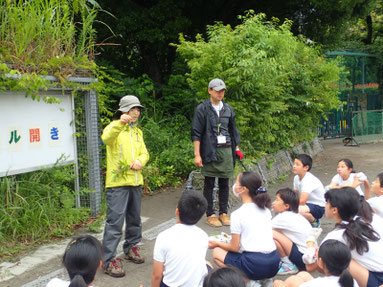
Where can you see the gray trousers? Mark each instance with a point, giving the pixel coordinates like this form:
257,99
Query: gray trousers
123,203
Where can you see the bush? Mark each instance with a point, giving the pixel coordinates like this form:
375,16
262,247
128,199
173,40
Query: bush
278,85
37,206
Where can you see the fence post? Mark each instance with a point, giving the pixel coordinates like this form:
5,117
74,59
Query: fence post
93,150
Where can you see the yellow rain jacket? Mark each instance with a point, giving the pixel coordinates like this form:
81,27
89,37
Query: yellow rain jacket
124,144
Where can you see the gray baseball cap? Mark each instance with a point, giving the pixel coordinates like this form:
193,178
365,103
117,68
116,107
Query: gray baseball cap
217,84
129,102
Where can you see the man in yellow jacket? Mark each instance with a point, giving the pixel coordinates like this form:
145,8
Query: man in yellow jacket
126,155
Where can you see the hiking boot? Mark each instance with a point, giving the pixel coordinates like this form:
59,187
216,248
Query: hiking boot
267,282
287,268
212,220
225,219
114,268
134,255
315,223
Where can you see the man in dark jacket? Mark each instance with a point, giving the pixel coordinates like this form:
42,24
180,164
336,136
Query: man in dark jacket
216,139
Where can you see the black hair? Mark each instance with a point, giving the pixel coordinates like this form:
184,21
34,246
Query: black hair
380,176
337,256
289,197
305,159
225,277
348,163
258,193
191,206
365,211
117,115
357,232
81,259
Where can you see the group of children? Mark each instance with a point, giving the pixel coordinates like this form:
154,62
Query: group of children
262,246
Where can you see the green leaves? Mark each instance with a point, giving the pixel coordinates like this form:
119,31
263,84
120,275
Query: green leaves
278,85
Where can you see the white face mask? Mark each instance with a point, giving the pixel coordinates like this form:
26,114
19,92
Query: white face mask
235,194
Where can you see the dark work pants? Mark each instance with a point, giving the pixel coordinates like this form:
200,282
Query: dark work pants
123,204
223,194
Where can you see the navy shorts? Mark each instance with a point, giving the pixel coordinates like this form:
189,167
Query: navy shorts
316,210
375,279
255,265
296,257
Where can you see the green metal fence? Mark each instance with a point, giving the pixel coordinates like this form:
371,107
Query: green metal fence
360,88
367,126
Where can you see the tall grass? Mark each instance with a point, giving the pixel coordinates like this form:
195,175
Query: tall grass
36,207
35,33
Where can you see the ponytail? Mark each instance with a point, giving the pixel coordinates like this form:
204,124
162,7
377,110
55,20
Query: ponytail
78,281
357,232
81,259
336,257
258,193
345,279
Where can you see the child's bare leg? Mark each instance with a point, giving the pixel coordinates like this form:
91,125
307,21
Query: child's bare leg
293,281
283,243
305,211
219,255
359,273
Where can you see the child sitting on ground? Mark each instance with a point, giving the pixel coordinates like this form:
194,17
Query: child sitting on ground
225,277
82,257
290,230
180,251
333,258
310,189
364,241
347,177
251,233
377,201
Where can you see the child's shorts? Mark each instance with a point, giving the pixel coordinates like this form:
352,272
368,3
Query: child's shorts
374,279
296,257
255,265
316,210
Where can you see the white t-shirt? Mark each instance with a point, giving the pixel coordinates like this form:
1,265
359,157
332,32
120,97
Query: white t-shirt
371,260
218,107
313,186
294,226
340,181
56,282
377,204
254,226
328,281
182,248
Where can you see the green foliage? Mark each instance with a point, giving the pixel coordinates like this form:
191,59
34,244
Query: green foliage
170,152
278,85
36,207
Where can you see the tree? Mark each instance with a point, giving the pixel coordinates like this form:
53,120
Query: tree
278,85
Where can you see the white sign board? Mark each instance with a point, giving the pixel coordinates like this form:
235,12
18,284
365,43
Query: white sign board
34,134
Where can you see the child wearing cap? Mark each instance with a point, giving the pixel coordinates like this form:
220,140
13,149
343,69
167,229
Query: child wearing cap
216,138
126,155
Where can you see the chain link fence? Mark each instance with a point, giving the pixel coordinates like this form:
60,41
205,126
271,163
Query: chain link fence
367,126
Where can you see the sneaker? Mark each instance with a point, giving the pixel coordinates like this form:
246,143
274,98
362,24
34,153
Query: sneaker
134,255
253,283
212,220
287,268
225,219
315,223
267,282
114,268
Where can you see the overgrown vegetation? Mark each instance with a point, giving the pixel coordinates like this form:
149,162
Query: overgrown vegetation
278,84
36,207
